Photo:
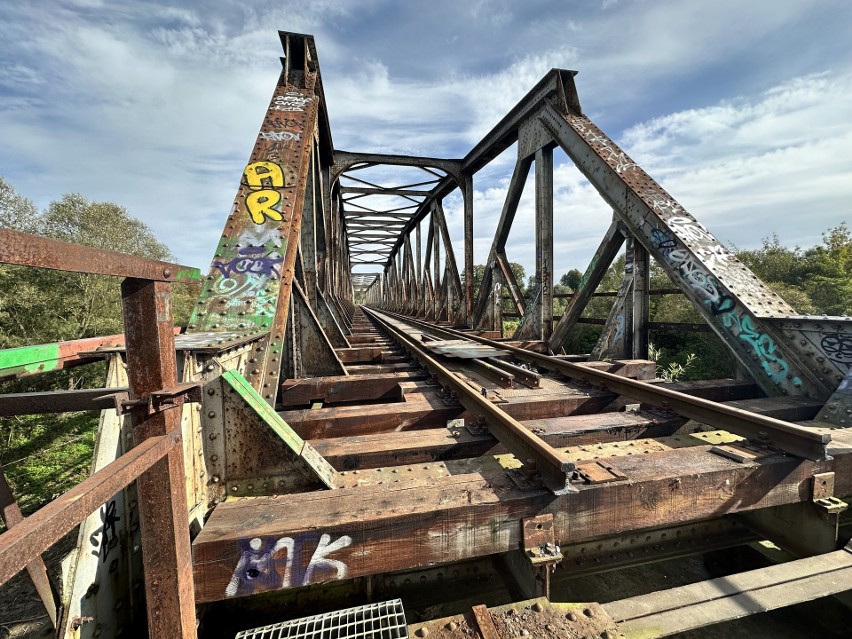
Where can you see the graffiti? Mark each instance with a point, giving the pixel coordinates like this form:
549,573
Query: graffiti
291,101
108,535
280,136
287,123
250,259
259,570
234,293
837,347
261,236
320,559
610,153
689,229
264,175
732,317
661,204
619,328
262,178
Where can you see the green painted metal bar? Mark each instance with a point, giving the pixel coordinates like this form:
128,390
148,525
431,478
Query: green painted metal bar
302,449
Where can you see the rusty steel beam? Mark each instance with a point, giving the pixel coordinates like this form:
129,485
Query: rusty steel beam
721,288
32,360
21,545
524,444
797,440
557,85
346,160
57,401
12,516
151,366
42,252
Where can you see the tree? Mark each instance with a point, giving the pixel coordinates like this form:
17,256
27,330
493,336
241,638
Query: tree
571,279
41,306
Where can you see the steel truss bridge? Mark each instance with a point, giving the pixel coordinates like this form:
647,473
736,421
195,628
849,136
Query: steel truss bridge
318,438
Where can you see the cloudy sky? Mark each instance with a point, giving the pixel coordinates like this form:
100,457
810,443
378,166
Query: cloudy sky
742,110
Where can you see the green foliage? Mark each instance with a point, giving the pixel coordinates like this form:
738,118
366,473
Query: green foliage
815,280
673,371
571,279
43,456
39,305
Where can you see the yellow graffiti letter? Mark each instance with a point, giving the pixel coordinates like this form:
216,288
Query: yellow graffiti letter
260,203
257,172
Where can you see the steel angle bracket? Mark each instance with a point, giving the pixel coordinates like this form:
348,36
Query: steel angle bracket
305,454
540,541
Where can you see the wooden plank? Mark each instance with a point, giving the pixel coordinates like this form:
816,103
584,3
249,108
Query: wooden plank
791,409
346,388
375,369
713,601
360,354
718,390
643,369
390,449
427,410
340,421
394,526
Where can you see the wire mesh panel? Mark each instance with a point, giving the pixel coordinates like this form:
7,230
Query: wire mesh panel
385,620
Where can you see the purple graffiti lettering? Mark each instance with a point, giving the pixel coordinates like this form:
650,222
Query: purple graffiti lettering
250,260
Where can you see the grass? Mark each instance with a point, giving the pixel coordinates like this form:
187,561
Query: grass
43,456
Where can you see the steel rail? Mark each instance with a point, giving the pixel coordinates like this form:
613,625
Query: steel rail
525,445
790,438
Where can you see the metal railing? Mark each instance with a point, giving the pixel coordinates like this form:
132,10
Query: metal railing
156,460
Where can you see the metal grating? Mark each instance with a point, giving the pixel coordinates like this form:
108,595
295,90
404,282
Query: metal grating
384,620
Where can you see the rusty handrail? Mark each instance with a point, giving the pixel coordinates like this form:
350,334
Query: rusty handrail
25,249
156,460
36,533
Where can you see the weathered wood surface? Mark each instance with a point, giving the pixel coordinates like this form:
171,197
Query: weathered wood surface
709,602
389,449
718,390
339,421
370,369
430,410
347,388
360,531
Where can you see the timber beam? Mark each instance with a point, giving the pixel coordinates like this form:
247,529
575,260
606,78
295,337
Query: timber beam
347,533
347,388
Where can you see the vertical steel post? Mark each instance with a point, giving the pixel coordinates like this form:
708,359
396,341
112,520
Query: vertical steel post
467,195
151,366
544,239
641,270
419,273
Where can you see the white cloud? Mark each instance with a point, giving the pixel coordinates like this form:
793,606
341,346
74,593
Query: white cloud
155,105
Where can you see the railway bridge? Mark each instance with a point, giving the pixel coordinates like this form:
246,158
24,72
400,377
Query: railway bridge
343,441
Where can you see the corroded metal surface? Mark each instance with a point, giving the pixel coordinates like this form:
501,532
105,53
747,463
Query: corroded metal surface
42,252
